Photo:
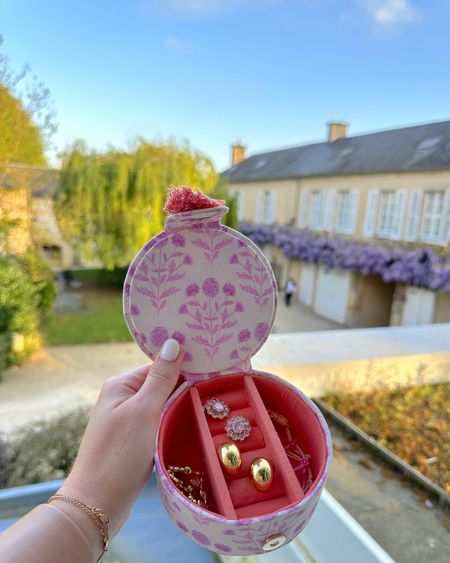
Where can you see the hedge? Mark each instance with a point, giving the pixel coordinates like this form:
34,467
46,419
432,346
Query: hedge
26,301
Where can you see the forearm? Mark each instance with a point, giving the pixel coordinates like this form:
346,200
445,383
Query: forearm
113,464
51,533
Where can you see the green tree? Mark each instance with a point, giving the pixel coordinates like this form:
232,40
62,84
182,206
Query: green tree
27,115
221,192
110,204
20,139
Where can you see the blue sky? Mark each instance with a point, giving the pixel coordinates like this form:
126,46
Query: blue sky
269,72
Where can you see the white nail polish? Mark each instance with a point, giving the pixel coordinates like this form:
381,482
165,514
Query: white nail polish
170,350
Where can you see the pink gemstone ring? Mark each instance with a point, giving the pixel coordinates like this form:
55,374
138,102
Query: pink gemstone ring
238,428
216,408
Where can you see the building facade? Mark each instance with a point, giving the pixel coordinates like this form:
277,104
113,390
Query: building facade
27,206
387,189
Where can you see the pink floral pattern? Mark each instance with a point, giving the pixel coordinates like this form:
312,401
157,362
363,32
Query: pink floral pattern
246,341
160,274
179,337
210,314
158,336
173,282
254,275
211,242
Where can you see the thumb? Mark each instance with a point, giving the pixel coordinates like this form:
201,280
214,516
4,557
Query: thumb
163,375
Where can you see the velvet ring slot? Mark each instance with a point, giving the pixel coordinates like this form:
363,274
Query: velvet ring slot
234,495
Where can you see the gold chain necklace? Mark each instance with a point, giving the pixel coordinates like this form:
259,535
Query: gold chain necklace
195,485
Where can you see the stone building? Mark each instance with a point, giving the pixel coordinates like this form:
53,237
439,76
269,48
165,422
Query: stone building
388,188
27,203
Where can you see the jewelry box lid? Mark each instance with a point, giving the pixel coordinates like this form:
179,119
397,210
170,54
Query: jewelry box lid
205,285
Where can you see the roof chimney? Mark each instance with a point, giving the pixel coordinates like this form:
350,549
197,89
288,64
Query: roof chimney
337,130
237,152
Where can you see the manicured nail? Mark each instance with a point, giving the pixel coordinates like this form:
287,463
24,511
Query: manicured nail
170,350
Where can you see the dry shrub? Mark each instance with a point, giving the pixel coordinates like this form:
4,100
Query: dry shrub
43,451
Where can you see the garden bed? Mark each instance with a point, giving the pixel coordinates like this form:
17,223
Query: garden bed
411,422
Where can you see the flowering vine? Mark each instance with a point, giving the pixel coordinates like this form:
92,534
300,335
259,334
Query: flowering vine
419,267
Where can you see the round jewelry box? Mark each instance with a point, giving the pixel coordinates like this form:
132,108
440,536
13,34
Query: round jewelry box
212,289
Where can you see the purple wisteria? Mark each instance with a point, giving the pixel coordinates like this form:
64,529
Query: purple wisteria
419,267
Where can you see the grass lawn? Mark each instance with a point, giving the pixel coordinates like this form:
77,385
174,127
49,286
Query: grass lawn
99,320
414,423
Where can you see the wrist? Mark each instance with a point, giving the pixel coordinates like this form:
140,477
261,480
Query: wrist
98,495
86,524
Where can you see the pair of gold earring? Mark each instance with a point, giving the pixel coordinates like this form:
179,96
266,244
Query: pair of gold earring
260,469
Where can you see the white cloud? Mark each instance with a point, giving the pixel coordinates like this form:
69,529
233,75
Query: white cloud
387,13
175,44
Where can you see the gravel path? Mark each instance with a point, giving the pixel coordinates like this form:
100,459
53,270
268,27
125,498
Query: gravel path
61,378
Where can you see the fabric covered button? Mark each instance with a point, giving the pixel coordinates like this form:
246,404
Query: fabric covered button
272,542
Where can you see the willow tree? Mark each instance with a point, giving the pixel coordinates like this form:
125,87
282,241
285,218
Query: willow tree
110,203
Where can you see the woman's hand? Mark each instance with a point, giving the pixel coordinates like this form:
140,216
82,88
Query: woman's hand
115,458
114,462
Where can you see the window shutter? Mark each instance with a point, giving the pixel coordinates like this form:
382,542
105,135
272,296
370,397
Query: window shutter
399,214
304,209
413,215
240,205
444,235
259,207
354,200
270,211
321,209
370,218
330,210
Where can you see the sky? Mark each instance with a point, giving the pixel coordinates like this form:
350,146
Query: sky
270,73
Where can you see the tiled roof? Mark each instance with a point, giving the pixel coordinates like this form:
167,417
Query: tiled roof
43,182
419,147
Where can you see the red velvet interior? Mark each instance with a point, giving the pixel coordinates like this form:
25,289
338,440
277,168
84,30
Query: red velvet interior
188,436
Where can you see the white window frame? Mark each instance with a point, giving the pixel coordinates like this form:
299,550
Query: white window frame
265,207
394,211
386,212
399,214
371,214
346,220
432,216
303,212
444,238
240,205
330,210
414,214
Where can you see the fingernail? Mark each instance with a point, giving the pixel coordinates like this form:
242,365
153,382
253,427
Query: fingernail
170,350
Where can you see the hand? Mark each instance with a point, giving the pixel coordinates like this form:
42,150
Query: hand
115,458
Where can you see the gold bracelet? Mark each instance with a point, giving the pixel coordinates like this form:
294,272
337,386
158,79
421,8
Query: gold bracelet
95,514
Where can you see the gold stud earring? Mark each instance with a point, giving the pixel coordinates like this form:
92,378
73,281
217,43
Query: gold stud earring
230,457
262,474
